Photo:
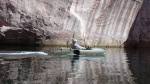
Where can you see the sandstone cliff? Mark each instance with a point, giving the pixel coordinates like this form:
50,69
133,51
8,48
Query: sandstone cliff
32,21
93,22
140,31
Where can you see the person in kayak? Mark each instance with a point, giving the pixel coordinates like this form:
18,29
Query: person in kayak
75,45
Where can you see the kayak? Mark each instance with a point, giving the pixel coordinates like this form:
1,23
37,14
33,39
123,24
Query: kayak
92,51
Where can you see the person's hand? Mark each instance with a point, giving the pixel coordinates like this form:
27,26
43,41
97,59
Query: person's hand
83,48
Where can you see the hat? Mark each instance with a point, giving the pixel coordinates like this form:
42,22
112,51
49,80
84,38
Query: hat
74,40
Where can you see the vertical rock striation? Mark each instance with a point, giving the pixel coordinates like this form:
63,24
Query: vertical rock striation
103,22
92,22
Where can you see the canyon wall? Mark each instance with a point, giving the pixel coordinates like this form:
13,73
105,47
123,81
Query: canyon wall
104,22
56,22
140,31
32,21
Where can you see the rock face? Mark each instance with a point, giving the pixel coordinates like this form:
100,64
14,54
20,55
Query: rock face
104,22
92,22
140,31
32,21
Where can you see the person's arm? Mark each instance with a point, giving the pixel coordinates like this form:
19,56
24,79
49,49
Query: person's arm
79,47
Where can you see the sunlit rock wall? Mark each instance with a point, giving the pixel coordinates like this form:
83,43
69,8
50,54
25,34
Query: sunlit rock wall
103,22
140,32
55,22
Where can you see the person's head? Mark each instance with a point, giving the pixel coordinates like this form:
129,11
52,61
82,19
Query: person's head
74,41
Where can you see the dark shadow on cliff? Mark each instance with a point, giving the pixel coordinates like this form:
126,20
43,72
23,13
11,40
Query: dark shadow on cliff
131,41
139,33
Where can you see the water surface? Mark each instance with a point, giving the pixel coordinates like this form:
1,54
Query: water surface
118,66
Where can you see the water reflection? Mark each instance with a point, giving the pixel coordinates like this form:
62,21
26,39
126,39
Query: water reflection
74,60
119,66
139,64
